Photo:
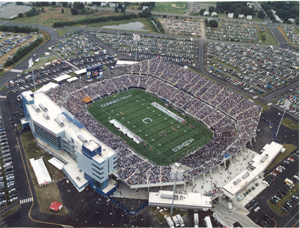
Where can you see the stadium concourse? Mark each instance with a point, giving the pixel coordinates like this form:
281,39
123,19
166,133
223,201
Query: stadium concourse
232,117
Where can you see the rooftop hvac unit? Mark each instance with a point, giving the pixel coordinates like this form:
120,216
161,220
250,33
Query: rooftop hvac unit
167,196
35,108
46,116
43,107
82,139
264,158
237,181
60,123
77,178
245,175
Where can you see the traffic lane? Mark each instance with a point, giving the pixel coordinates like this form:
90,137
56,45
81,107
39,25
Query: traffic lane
282,90
271,190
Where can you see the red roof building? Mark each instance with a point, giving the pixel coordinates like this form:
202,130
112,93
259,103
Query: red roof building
55,206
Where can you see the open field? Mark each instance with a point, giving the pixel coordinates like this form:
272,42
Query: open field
289,148
277,207
48,193
52,15
62,32
170,7
290,124
164,140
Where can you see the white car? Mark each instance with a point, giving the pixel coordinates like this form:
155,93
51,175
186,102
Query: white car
256,209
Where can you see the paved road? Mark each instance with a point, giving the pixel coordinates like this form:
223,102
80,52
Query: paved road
24,64
281,91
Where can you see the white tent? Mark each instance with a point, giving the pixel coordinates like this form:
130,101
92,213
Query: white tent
40,171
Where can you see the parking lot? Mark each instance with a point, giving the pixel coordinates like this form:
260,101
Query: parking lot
179,48
8,186
293,96
292,34
234,32
255,69
185,27
74,44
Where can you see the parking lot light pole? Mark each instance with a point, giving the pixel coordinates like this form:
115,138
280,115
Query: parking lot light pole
30,65
286,106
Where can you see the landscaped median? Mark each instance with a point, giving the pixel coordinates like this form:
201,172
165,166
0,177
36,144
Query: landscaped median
290,124
277,207
46,194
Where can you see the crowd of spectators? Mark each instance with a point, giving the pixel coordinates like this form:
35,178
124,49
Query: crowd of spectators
232,117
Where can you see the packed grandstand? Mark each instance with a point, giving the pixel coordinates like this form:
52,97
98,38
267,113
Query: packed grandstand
232,117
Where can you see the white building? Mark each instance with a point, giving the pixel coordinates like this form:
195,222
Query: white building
256,168
103,4
192,201
88,161
214,14
292,20
230,15
278,19
111,4
249,17
145,7
205,13
241,16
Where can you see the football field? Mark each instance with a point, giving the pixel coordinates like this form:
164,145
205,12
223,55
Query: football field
164,137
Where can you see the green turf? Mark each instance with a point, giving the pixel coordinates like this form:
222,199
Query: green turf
132,111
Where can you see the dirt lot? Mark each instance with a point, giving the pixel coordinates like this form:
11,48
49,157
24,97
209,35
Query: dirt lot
4,57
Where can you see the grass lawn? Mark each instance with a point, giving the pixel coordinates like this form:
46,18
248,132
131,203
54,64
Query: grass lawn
277,207
62,32
147,24
167,139
160,216
48,193
170,7
289,148
269,37
290,124
42,62
52,15
10,211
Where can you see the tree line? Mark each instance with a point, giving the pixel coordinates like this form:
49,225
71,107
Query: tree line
17,29
23,51
284,10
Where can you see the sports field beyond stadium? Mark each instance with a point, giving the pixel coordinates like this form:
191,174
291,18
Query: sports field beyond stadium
164,139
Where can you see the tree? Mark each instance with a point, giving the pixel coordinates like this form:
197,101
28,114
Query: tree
65,4
201,11
20,15
263,37
53,3
74,11
237,12
116,9
19,3
211,9
123,9
213,23
270,14
261,14
62,10
297,20
120,6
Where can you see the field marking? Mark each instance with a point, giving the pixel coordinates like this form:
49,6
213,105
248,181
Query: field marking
153,130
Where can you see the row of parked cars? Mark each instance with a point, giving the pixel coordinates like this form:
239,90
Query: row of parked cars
293,202
7,172
293,97
265,221
253,205
280,168
280,194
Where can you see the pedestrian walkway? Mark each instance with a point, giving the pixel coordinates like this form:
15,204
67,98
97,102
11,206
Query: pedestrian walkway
26,200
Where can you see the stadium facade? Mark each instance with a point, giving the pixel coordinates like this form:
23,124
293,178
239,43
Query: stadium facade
88,161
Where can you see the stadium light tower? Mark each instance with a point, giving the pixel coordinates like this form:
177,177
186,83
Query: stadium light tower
173,194
286,105
136,38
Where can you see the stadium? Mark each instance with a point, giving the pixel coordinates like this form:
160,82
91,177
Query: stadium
226,120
